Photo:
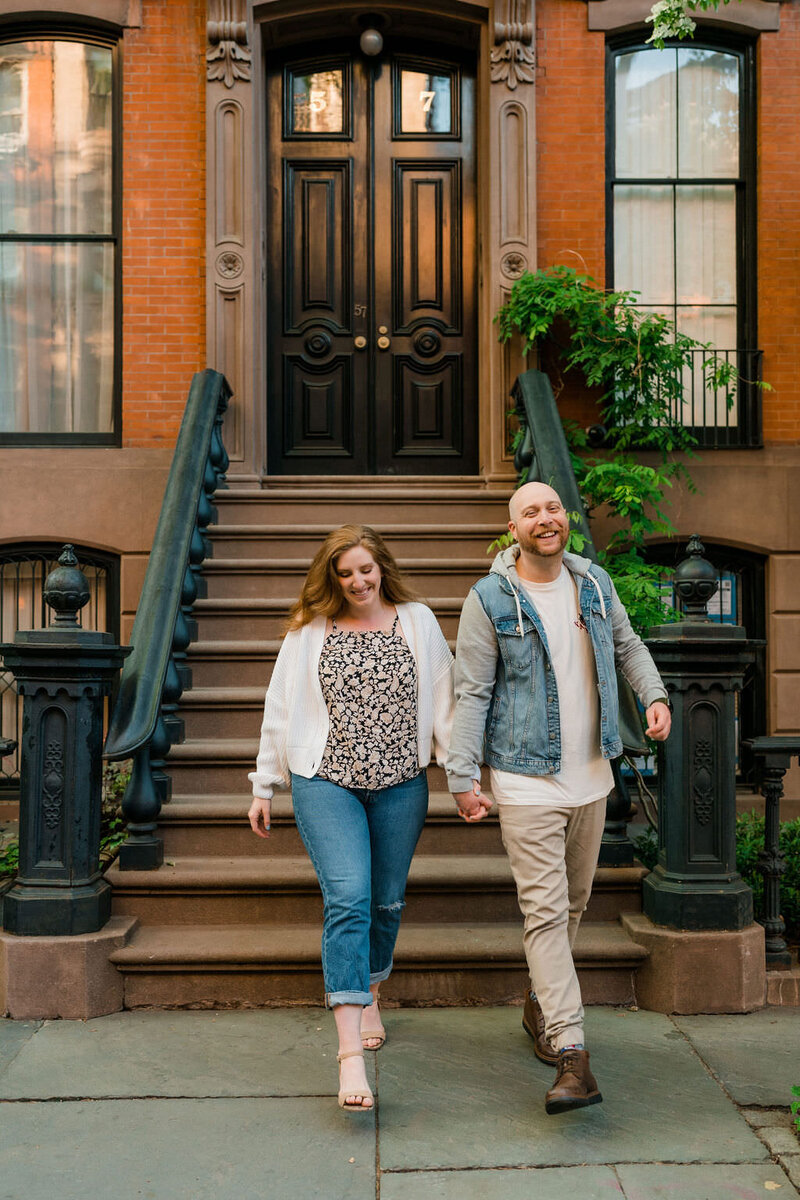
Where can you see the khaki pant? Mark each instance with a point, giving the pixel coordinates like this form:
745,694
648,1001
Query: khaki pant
553,854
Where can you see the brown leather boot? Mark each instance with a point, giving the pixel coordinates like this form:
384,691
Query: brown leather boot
533,1024
575,1086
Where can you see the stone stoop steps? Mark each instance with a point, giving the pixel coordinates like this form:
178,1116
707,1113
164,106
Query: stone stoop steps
234,921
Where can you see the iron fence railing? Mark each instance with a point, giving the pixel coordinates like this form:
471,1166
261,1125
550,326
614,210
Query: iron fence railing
722,417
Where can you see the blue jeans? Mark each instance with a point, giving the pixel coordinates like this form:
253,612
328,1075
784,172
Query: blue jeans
361,844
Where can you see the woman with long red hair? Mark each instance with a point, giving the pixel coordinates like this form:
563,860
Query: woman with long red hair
360,695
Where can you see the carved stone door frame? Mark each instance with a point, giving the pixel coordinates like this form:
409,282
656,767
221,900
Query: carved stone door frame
239,35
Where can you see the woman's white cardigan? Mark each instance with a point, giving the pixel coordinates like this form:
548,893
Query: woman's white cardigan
294,732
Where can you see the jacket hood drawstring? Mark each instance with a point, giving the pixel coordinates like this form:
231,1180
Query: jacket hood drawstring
507,559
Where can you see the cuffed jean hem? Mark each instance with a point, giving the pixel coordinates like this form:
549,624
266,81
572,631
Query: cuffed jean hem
380,976
334,999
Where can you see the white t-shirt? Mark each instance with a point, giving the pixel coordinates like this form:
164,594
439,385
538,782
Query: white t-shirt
585,775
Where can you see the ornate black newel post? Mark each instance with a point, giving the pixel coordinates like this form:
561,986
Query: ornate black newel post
773,756
695,885
63,672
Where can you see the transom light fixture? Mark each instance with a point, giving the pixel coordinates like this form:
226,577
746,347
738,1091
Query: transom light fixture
371,42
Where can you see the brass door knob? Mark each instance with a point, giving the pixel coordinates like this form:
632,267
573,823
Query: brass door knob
360,342
384,343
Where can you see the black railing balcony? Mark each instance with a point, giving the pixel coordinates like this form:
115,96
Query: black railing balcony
722,417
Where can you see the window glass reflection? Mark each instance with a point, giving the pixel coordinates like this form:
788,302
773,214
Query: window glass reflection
55,138
425,102
317,102
56,337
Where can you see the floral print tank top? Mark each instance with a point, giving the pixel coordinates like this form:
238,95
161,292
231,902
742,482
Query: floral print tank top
369,682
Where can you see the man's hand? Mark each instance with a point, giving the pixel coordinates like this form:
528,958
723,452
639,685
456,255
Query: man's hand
472,806
659,721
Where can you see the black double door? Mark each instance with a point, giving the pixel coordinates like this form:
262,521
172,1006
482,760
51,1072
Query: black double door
371,288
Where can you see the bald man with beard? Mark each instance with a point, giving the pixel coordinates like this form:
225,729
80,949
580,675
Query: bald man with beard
539,641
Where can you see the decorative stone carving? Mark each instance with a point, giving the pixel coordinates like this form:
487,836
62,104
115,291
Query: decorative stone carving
513,264
230,264
513,59
228,57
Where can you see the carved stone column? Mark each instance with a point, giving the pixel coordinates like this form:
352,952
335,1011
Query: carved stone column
231,271
512,220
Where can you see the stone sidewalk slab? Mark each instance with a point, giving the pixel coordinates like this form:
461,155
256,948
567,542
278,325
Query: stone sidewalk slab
742,1182
275,1052
538,1183
755,1056
13,1036
186,1150
476,1071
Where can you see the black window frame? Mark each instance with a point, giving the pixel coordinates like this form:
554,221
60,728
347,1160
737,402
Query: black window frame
97,33
748,430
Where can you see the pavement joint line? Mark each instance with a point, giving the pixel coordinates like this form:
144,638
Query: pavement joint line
123,1099
548,1166
377,1109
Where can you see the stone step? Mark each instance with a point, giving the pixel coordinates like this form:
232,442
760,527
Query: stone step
264,619
465,502
269,888
200,825
285,543
243,578
221,765
250,965
231,662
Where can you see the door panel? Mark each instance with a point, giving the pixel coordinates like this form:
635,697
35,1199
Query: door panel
371,266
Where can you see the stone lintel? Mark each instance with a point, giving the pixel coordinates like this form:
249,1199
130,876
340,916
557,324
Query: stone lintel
748,15
698,972
45,978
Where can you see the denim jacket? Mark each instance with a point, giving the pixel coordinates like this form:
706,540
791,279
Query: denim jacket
507,708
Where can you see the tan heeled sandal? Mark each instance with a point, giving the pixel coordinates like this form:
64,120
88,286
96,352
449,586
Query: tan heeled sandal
365,1093
378,1035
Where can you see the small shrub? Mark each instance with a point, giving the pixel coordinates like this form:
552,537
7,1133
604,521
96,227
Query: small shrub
9,858
646,847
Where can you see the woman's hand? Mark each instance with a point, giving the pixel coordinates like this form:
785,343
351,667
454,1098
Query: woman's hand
472,806
259,816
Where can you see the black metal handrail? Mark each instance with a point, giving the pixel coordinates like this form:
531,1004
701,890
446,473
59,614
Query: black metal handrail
144,722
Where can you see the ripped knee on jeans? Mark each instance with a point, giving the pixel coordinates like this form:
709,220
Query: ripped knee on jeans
395,906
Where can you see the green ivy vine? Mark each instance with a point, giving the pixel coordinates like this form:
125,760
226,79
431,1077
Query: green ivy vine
636,361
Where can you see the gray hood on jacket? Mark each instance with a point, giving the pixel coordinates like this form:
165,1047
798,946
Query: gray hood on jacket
505,564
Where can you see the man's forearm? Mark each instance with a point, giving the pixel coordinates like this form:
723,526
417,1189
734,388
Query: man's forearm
476,665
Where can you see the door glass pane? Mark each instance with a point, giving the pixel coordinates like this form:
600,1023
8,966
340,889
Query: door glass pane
643,255
708,114
55,138
645,115
317,102
56,337
705,241
425,102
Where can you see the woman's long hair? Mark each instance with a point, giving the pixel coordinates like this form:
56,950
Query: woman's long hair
321,594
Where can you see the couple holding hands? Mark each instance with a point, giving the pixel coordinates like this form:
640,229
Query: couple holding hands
364,690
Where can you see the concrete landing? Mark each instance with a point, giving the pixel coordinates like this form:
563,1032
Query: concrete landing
240,1105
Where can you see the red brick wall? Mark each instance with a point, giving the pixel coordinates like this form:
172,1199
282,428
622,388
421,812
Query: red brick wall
570,160
570,117
163,224
779,224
